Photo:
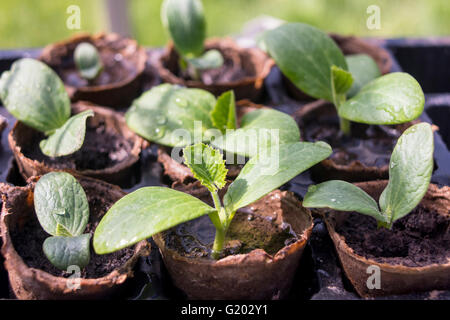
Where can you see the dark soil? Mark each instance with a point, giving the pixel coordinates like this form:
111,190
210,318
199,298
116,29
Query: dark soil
29,238
102,148
418,239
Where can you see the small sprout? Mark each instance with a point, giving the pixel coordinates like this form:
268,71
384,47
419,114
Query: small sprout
63,211
410,171
186,24
35,95
151,210
316,65
87,60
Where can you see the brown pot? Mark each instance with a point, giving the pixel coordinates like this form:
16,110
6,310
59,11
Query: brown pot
124,62
179,172
254,275
395,278
31,283
252,61
329,169
349,45
21,136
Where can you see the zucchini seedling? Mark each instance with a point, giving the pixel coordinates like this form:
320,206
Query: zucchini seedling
150,210
35,95
410,171
313,62
63,211
87,60
186,24
174,116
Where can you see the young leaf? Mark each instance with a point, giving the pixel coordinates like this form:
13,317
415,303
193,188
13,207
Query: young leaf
223,115
143,213
341,81
272,168
60,199
211,59
410,171
207,165
342,196
363,69
87,60
259,129
391,99
67,139
63,252
305,55
35,95
167,114
185,21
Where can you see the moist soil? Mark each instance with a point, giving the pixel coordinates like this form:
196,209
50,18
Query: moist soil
28,240
419,239
102,148
248,231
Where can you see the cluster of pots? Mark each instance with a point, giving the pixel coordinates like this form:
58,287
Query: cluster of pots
107,159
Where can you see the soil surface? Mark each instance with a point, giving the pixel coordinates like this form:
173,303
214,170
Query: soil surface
421,238
102,148
248,231
29,238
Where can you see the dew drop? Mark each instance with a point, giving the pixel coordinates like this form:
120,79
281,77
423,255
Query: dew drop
161,119
393,164
333,200
181,102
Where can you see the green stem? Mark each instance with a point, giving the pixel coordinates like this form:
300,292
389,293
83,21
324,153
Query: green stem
220,223
219,242
344,125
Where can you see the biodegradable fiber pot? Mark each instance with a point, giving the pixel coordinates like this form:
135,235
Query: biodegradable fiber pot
119,161
253,275
394,278
349,45
33,283
118,84
243,71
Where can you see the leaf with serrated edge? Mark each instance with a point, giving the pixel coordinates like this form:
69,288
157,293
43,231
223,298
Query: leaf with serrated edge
63,252
223,115
34,94
61,192
363,69
207,165
211,59
391,99
410,171
272,168
67,139
143,213
259,129
342,196
87,60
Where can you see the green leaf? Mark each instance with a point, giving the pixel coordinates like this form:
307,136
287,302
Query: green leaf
272,168
211,59
342,196
35,95
207,165
167,114
259,130
223,115
185,21
63,252
67,139
143,213
410,171
305,55
341,79
87,60
391,99
61,230
60,199
363,69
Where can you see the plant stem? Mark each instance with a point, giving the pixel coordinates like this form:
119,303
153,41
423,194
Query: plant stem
219,241
344,125
221,229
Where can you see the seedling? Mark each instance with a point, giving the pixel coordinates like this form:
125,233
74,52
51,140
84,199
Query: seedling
315,64
35,95
87,60
175,116
63,211
185,22
150,210
410,171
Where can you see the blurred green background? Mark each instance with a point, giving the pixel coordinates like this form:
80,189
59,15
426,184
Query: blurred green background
31,23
